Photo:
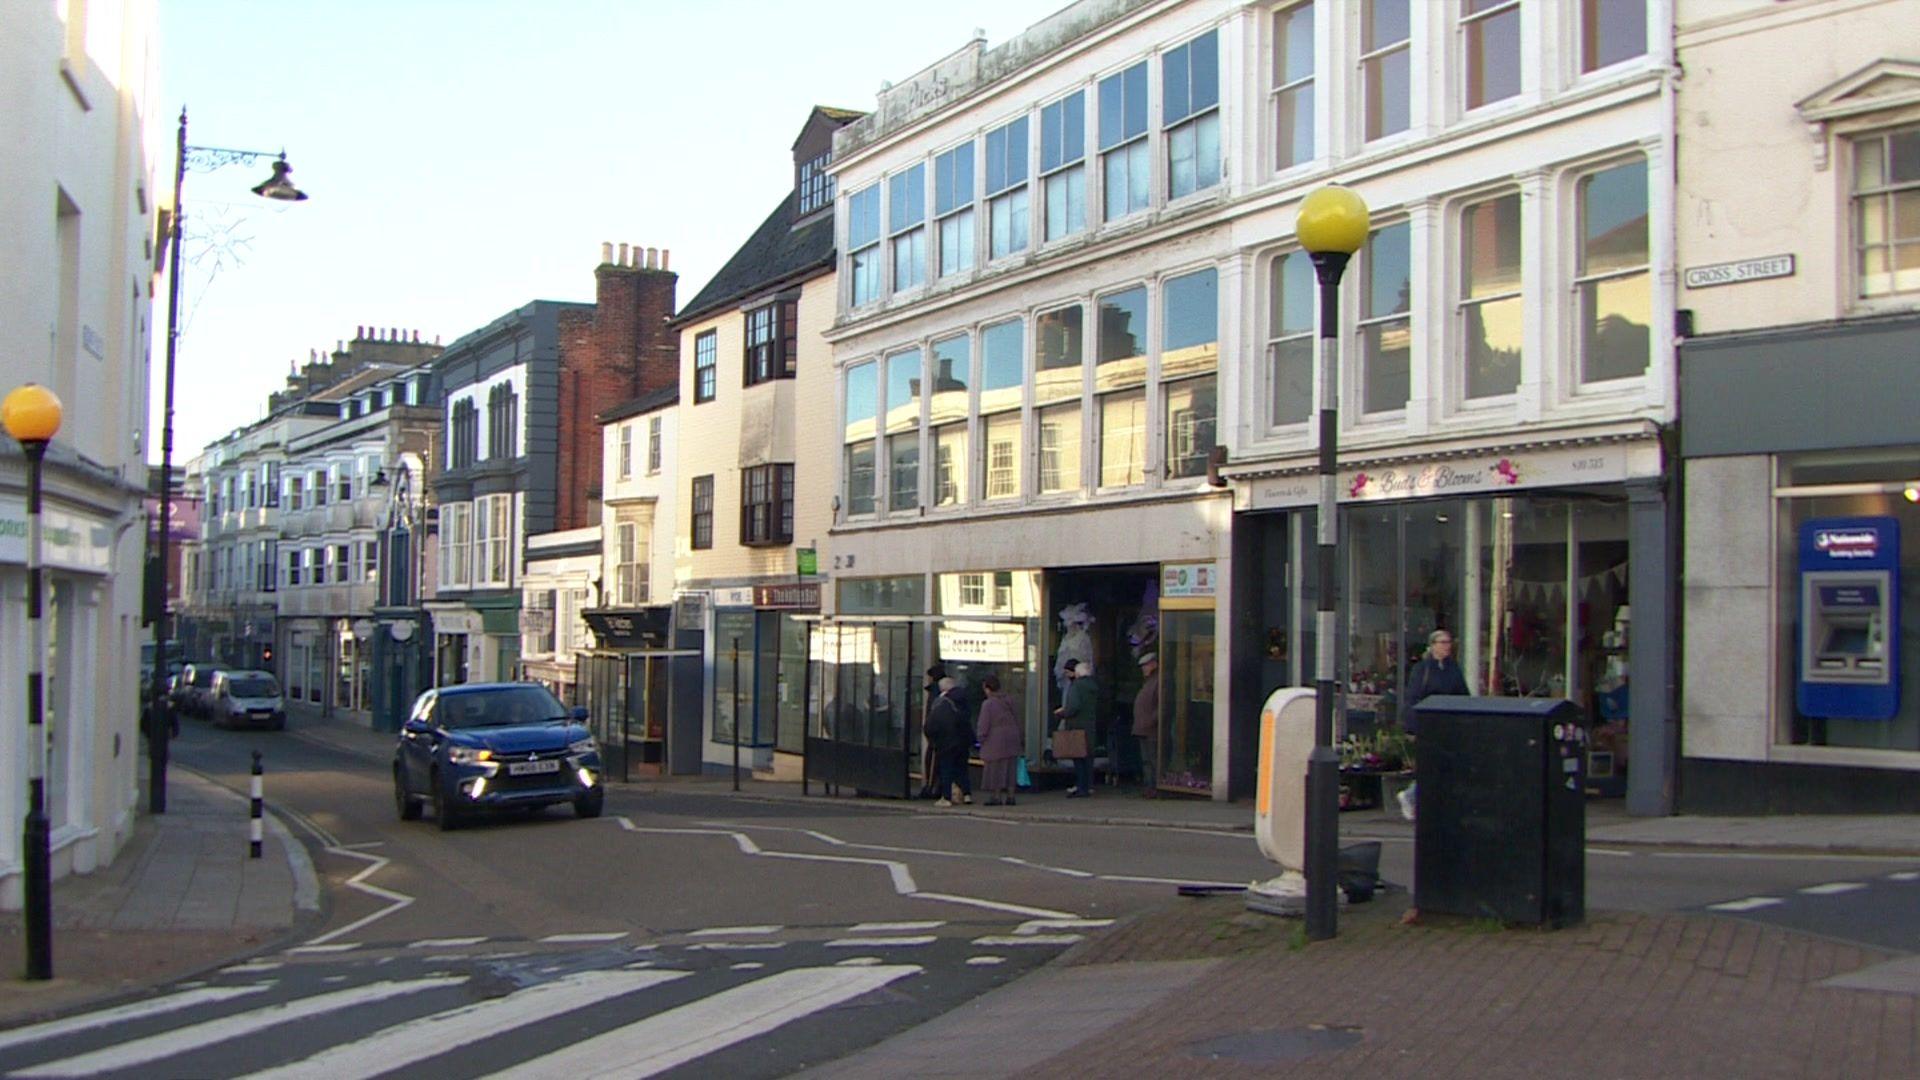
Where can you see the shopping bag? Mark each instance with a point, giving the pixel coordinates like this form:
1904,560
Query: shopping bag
1021,777
1069,743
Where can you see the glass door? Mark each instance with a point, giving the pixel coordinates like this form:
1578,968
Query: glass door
1186,699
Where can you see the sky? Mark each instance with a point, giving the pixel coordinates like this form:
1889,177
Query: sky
464,157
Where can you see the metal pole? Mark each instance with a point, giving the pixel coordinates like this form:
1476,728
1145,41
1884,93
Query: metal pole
736,712
257,809
1323,765
37,857
162,713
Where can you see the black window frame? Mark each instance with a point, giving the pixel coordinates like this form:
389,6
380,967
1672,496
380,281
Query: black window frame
503,418
700,528
813,185
464,445
706,360
766,505
771,341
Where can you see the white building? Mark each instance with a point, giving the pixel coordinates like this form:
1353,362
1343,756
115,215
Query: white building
1076,340
78,209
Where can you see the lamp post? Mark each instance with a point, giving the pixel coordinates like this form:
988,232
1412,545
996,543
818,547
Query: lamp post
278,187
1332,224
32,415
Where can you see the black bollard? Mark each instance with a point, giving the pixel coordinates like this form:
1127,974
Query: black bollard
259,808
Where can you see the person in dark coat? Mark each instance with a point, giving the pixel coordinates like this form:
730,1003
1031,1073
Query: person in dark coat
1436,673
1076,713
951,736
1146,724
1002,741
929,779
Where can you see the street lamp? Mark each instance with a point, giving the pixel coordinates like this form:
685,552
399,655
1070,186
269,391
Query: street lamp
278,187
1331,225
32,415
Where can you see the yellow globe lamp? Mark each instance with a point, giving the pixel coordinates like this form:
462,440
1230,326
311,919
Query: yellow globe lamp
1332,219
31,414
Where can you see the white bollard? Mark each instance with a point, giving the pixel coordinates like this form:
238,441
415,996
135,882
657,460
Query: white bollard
1280,799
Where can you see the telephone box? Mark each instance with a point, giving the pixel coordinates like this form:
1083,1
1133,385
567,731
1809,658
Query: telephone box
1850,618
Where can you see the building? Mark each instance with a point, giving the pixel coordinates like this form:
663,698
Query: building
522,447
78,210
1798,218
1075,342
756,402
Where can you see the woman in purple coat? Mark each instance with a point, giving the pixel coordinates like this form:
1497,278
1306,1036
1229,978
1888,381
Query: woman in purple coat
1002,741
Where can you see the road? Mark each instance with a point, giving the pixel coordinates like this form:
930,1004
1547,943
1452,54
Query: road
713,935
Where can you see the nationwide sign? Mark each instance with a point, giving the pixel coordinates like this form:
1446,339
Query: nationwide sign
1848,543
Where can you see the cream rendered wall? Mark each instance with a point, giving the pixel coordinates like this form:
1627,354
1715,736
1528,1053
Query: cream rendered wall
661,490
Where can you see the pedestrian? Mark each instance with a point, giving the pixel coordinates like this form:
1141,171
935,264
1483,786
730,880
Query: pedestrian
1436,673
1002,741
1146,724
951,737
929,782
1077,713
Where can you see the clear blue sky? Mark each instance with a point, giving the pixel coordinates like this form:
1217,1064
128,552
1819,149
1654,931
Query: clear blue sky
467,156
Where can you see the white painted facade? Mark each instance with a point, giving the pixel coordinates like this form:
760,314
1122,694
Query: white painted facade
561,580
78,208
639,463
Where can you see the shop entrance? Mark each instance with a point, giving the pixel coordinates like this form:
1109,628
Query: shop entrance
1109,616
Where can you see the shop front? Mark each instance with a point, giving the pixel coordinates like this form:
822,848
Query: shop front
641,691
1526,560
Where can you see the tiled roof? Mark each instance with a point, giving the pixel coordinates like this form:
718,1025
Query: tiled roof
774,253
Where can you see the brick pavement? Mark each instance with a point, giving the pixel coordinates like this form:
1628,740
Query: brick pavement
1625,995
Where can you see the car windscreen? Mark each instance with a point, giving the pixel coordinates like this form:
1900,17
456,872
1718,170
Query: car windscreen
253,686
497,708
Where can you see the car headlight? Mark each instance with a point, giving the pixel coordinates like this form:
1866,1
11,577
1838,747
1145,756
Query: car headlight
467,755
584,746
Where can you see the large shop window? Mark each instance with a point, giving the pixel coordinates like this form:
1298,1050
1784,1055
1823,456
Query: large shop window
1615,282
863,410
733,668
1850,485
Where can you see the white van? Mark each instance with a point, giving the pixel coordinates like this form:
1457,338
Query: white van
247,699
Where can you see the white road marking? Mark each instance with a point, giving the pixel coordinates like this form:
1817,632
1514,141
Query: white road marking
985,961
53,1029
860,961
1833,888
890,927
253,967
445,942
995,905
1749,904
730,931
747,965
396,901
337,947
1137,880
1774,856
1068,871
1035,926
1905,875
1610,851
881,942
692,1031
1000,940
577,939
154,1048
734,946
429,1036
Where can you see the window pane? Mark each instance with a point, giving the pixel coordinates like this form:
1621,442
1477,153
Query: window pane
1386,352
1290,325
1493,58
1615,326
1387,266
1123,439
1292,380
1060,449
1001,457
1063,132
952,367
1385,22
1295,138
910,259
863,216
1176,85
953,179
1906,215
866,275
1006,156
860,478
863,401
903,466
1010,223
1205,68
1389,91
950,465
906,198
1190,342
1613,211
1490,247
1057,349
1290,301
1611,31
1066,203
1293,45
903,390
1120,339
1191,410
1002,364
956,243
1494,330
1872,219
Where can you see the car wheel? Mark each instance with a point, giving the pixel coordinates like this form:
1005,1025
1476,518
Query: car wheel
444,814
407,805
280,724
589,806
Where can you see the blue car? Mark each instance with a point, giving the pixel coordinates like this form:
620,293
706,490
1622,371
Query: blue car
494,746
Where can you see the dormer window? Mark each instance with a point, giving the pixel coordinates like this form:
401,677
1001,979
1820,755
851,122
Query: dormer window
813,185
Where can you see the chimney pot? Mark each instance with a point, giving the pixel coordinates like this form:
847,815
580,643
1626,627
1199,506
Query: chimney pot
663,258
606,253
623,254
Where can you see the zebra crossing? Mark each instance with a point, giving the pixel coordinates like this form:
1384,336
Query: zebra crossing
600,1008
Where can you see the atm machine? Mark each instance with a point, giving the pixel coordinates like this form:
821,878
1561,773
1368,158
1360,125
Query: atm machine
1850,618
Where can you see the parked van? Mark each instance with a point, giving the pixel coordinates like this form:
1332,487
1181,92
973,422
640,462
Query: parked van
194,695
247,699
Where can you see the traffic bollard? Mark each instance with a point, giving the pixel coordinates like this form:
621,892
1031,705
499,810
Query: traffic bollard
259,807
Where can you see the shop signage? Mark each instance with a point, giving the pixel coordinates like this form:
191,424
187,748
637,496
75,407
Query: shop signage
806,561
798,596
1733,273
730,598
1179,580
67,541
690,611
536,621
1861,543
630,628
984,643
1490,475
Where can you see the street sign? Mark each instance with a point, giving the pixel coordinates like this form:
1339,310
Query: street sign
1733,273
809,561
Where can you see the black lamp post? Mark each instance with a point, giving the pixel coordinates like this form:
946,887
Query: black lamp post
32,415
1332,224
280,188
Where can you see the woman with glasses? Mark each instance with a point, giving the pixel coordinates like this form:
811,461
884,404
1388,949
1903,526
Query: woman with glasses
1436,673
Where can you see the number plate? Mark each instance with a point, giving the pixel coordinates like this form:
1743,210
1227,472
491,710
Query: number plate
526,768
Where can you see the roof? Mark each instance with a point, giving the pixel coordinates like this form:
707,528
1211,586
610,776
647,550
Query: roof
776,252
645,403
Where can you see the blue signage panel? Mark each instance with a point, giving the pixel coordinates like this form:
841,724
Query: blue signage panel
1849,644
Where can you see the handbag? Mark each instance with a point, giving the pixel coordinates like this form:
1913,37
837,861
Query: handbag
1069,743
1021,777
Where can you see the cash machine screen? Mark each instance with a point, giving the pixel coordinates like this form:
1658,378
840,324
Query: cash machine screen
1848,641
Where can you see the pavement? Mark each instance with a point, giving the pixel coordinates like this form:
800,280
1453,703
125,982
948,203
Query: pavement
1200,985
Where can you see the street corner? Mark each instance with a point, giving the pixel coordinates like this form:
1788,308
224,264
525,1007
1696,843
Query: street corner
1222,926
